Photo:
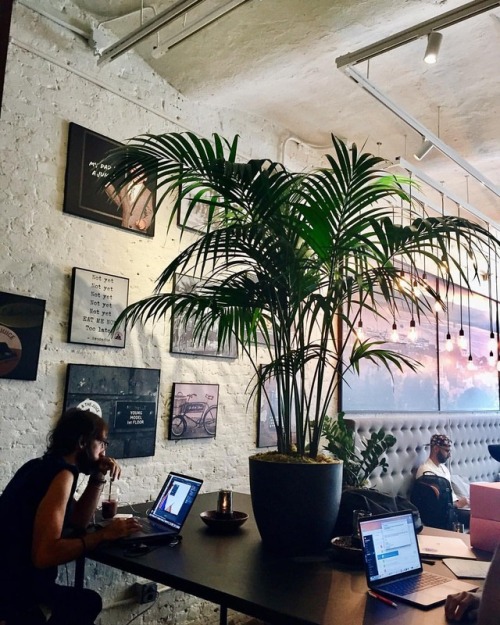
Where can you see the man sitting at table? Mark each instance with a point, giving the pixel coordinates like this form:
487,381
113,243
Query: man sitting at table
436,463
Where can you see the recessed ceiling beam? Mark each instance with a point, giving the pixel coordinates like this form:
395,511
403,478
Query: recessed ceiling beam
420,128
415,32
147,29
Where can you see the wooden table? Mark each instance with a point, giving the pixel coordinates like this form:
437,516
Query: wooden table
235,572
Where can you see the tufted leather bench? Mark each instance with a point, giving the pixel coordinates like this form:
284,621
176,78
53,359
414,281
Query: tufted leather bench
471,434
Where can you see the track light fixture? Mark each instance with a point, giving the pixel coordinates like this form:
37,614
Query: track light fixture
424,149
434,40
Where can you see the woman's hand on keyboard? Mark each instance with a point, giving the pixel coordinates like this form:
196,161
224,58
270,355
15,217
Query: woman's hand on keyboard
119,528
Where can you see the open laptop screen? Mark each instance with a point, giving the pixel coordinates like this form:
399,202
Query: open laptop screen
390,546
175,500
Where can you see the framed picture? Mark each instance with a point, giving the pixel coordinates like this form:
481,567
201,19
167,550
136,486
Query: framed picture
468,385
267,405
182,341
125,397
97,299
132,209
21,324
194,411
197,221
375,389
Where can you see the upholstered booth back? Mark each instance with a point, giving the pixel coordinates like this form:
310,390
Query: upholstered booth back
471,434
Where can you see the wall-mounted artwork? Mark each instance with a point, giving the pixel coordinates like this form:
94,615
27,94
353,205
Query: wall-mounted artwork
194,411
125,397
468,377
182,341
452,377
96,301
21,324
132,209
374,389
267,406
197,220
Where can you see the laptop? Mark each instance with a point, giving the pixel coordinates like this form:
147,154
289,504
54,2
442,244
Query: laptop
393,565
165,518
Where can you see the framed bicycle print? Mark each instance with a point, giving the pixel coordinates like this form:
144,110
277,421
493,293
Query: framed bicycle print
97,299
194,411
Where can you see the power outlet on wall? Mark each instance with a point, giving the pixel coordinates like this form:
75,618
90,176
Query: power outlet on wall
146,593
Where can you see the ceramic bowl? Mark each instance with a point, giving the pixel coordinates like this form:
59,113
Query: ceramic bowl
218,523
342,550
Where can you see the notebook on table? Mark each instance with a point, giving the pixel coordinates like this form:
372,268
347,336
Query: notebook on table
166,516
393,566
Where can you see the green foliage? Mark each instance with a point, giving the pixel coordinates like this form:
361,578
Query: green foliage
287,257
358,464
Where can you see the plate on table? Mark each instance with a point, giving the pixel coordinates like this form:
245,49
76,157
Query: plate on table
219,523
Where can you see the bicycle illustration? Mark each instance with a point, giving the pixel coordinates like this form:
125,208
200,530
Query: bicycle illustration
185,411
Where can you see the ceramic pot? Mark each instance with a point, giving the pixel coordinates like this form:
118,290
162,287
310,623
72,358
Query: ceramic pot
295,505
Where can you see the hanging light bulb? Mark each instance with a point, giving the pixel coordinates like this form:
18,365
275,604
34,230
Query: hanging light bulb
449,343
412,334
359,331
417,291
492,342
462,341
491,359
438,305
394,333
470,363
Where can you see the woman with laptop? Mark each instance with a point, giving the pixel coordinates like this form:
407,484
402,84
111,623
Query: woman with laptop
485,606
38,509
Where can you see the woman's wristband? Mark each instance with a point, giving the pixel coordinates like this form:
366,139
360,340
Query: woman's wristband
84,544
94,480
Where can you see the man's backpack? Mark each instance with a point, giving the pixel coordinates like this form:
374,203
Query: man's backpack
374,502
433,497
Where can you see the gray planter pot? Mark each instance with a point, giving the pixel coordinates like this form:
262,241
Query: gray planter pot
295,505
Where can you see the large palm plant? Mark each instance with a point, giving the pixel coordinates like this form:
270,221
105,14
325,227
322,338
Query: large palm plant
285,256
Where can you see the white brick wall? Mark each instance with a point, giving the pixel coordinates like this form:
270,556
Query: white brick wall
52,78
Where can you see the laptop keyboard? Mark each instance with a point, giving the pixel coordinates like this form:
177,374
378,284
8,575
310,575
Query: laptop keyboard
413,584
145,526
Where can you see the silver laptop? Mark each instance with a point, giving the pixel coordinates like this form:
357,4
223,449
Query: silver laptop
165,518
393,565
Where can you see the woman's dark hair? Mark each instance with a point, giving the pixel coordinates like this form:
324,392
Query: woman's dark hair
74,427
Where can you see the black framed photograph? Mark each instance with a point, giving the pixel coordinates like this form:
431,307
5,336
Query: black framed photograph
125,397
182,335
131,209
197,220
194,411
21,325
97,299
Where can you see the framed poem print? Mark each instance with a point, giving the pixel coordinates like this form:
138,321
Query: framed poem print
468,378
97,299
131,209
182,335
125,397
21,324
197,220
194,411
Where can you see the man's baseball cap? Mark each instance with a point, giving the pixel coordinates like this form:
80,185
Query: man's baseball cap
440,440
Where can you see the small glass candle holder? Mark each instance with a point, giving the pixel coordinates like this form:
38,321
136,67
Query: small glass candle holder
225,503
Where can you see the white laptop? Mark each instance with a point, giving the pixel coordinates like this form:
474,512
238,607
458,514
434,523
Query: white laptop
166,517
393,565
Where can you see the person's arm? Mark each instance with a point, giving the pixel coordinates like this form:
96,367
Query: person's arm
84,508
489,609
49,548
